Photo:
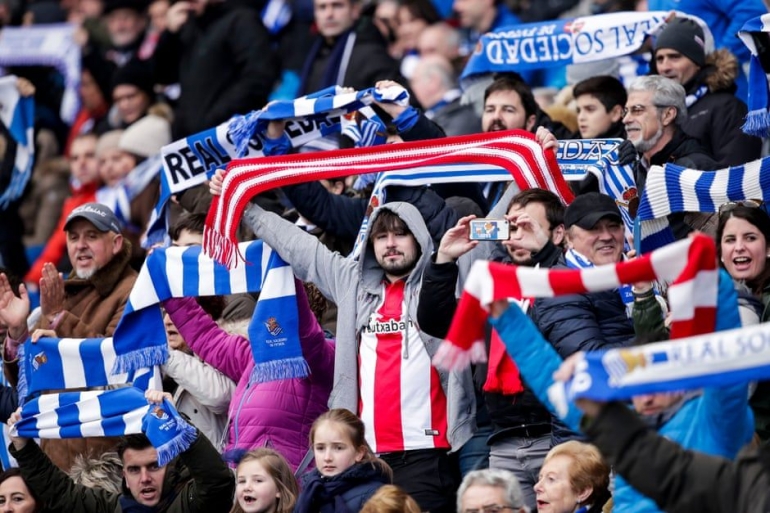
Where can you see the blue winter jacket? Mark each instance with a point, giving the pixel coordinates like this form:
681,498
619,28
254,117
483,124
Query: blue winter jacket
718,422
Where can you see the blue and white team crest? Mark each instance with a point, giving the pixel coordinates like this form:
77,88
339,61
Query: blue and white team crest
273,327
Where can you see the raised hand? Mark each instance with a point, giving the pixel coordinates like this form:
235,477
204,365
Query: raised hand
13,310
526,233
215,184
17,441
157,396
51,292
456,241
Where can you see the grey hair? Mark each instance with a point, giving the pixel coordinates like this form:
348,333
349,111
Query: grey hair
665,93
105,472
497,478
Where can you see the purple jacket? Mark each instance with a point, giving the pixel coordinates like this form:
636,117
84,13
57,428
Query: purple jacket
277,414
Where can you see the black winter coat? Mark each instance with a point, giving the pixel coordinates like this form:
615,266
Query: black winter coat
436,307
344,493
223,62
678,480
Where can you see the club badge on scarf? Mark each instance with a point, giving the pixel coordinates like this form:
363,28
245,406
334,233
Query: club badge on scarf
140,339
727,357
46,45
66,364
191,161
561,42
515,151
690,264
17,113
671,189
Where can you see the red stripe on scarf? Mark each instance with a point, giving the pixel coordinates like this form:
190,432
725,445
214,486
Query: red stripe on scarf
683,262
513,150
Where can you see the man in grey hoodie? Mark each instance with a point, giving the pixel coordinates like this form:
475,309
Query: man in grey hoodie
415,415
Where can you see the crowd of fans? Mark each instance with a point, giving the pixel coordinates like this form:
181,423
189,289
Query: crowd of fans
374,426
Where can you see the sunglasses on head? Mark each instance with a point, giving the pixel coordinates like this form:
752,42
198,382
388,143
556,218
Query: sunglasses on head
731,205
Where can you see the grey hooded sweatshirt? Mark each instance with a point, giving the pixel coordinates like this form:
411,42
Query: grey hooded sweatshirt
356,288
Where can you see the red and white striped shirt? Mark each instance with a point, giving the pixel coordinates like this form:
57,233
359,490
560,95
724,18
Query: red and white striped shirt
401,400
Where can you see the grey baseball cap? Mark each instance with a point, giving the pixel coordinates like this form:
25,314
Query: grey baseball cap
98,215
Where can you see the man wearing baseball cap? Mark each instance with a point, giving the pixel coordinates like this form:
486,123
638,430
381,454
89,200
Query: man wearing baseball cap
88,303
714,114
597,320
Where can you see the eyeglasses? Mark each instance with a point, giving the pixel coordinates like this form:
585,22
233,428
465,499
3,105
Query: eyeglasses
489,508
638,110
731,205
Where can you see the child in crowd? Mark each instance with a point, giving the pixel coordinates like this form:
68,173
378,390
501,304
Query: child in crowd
347,473
264,483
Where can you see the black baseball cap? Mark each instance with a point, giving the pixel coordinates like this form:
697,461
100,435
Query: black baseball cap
587,209
98,215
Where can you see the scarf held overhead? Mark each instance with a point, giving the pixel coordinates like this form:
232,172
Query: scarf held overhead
190,161
690,264
46,45
140,339
671,189
17,113
561,42
515,151
64,364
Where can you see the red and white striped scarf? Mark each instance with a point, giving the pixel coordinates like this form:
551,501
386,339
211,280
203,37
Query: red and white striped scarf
690,264
515,151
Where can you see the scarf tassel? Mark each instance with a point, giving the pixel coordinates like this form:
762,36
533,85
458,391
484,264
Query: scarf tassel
139,358
177,445
221,248
288,368
242,129
757,123
452,357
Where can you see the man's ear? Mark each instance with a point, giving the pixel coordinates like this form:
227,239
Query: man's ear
616,113
530,125
117,244
557,234
669,116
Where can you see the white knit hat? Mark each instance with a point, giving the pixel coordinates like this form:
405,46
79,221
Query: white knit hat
146,136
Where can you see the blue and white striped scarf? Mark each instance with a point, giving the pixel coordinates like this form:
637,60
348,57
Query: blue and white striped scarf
560,42
46,45
671,188
140,339
65,365
191,161
600,157
17,113
758,117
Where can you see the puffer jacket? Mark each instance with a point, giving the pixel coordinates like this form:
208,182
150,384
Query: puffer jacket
353,487
356,287
717,421
716,118
275,414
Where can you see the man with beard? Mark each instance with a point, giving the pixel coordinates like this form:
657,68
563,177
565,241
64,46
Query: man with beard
518,433
653,117
89,303
655,110
414,414
508,105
